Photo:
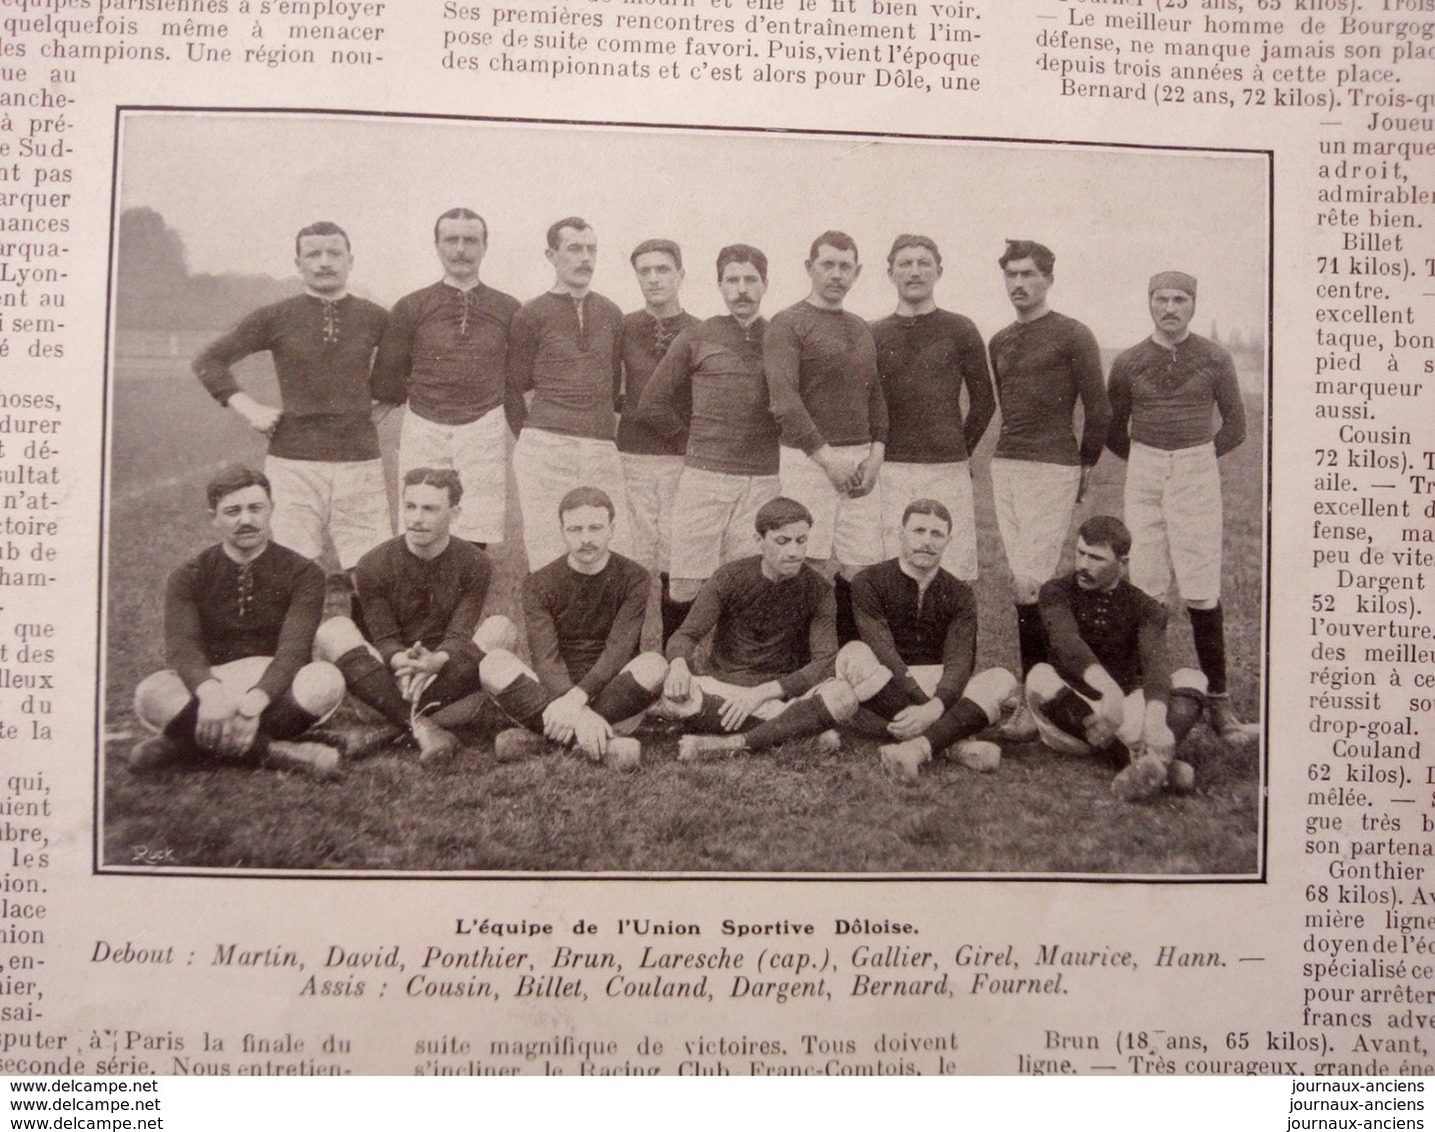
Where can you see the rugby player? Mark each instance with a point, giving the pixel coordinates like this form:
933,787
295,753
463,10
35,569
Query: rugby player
444,352
927,357
564,375
769,676
1109,686
1043,363
416,660
1162,395
652,461
239,623
323,459
584,613
827,397
711,388
919,624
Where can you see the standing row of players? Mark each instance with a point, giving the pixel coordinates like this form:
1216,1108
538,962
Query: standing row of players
722,415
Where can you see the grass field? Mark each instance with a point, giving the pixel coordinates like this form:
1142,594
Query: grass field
786,811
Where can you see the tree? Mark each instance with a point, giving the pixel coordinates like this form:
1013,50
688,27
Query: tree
155,290
151,271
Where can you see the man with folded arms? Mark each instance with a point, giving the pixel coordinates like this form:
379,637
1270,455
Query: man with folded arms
1109,686
919,624
769,676
239,623
443,351
711,387
416,661
584,613
1162,395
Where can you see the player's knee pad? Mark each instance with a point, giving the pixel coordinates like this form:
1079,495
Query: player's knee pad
318,688
993,690
857,666
1043,683
335,637
839,698
1190,681
499,669
159,697
496,632
649,669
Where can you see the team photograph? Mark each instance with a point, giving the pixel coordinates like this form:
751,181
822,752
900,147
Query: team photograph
497,498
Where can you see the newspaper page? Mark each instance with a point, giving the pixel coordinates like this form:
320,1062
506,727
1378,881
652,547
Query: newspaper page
1151,798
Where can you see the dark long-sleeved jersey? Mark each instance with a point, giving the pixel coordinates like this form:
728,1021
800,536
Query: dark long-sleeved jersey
711,384
926,361
645,340
1162,396
1041,368
445,352
436,601
322,352
822,373
784,630
568,352
582,628
1121,629
905,627
217,610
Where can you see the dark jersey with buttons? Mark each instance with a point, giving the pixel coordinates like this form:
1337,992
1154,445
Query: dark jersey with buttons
322,350
1121,629
906,627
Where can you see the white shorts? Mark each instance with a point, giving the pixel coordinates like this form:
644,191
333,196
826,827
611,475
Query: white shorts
712,686
652,483
951,486
318,688
546,467
1044,684
1034,502
714,519
478,452
991,689
1173,508
347,500
843,527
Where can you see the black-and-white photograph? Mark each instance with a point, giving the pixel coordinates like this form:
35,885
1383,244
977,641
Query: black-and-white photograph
497,498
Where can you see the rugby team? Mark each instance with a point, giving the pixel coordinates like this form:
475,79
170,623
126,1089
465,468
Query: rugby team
800,485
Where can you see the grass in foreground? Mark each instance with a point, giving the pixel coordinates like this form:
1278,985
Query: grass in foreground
781,811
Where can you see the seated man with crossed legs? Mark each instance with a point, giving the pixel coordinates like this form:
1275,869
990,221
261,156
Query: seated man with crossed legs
416,660
239,623
584,613
918,625
769,678
1109,686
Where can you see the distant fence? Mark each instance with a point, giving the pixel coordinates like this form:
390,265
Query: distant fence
181,345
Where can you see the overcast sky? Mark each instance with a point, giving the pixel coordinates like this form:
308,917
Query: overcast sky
237,186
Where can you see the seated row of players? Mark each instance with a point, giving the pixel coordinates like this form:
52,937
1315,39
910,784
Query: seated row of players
242,619
689,427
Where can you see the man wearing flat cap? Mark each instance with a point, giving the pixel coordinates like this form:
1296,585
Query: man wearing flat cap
1162,393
